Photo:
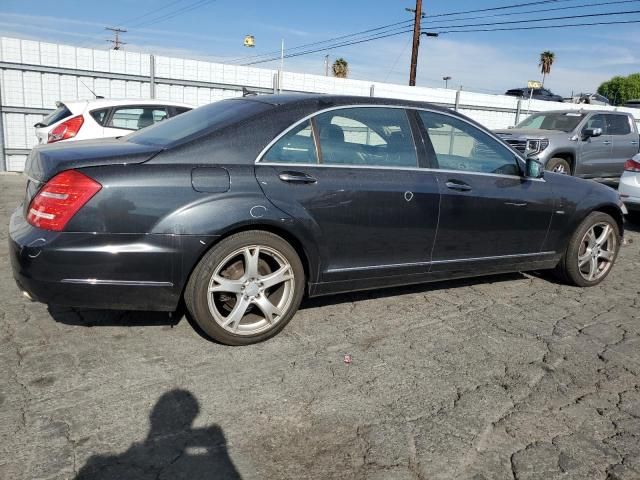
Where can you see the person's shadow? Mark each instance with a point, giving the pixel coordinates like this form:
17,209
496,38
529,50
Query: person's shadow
172,449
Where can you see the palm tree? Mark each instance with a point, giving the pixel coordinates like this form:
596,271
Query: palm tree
546,61
340,68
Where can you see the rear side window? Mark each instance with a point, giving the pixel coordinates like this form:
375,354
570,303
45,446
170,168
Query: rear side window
297,146
179,110
619,125
200,121
375,136
58,114
135,118
100,115
459,145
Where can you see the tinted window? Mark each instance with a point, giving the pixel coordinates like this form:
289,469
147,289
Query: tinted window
461,146
618,125
135,118
374,136
180,110
100,115
297,146
564,122
58,114
203,120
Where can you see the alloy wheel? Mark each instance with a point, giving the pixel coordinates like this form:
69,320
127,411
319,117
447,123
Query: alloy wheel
597,251
560,169
251,290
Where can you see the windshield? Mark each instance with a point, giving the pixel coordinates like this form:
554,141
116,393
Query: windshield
562,122
202,120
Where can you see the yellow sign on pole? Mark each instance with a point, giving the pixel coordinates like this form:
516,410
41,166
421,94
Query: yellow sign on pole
534,84
249,41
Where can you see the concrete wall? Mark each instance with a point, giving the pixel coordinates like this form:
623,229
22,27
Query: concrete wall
34,75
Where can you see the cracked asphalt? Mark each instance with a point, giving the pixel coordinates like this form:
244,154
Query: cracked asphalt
512,377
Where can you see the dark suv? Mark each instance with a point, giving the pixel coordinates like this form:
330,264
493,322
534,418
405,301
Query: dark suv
538,94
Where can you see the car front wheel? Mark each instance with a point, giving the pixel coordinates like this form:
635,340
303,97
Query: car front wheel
559,165
246,288
591,252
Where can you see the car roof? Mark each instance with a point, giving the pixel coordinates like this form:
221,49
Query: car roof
585,111
323,101
114,102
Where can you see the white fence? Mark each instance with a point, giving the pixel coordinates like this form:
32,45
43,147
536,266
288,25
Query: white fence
34,75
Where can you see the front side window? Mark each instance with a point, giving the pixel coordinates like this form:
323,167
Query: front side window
459,145
296,146
597,121
618,125
135,118
369,136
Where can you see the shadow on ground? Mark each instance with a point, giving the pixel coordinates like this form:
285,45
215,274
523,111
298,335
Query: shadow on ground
173,449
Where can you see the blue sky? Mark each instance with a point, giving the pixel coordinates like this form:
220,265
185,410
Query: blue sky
490,62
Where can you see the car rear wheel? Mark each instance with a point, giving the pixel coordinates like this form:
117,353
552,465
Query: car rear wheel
591,252
559,165
246,288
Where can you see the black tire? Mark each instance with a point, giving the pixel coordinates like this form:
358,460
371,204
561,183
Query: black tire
196,294
558,165
568,269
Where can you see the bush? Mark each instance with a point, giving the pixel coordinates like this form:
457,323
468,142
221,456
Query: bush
619,90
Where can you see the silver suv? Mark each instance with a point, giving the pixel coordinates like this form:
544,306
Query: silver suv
586,144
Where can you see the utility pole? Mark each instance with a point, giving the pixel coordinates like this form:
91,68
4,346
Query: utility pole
416,42
326,65
117,43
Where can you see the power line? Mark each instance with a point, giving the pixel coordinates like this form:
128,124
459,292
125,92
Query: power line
587,15
400,25
540,10
538,27
175,13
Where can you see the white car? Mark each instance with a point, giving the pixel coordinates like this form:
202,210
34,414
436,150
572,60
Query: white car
629,187
103,118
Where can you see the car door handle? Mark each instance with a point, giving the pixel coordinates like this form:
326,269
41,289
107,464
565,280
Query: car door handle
606,142
460,187
516,204
634,143
296,177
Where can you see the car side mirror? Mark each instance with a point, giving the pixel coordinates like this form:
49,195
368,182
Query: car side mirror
534,168
592,132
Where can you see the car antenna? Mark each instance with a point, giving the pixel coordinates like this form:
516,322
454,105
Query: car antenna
94,93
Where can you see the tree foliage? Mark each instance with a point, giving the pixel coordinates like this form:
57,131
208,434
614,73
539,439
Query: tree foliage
619,90
340,68
546,61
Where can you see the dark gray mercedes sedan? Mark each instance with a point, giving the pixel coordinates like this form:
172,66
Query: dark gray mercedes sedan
242,207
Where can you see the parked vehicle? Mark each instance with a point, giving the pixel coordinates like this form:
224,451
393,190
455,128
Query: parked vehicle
243,206
103,118
633,103
583,143
590,99
538,94
629,187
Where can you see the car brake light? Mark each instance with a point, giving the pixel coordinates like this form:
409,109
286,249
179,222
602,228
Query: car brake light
632,166
60,199
65,130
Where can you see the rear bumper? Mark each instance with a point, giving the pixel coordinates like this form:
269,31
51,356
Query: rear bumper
629,190
105,271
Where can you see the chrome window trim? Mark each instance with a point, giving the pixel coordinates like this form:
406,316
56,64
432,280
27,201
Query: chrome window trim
408,169
441,262
263,152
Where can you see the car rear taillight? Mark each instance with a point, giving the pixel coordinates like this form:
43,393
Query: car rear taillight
67,129
632,166
60,199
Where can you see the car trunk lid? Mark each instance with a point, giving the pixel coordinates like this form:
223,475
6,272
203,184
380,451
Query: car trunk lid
45,161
